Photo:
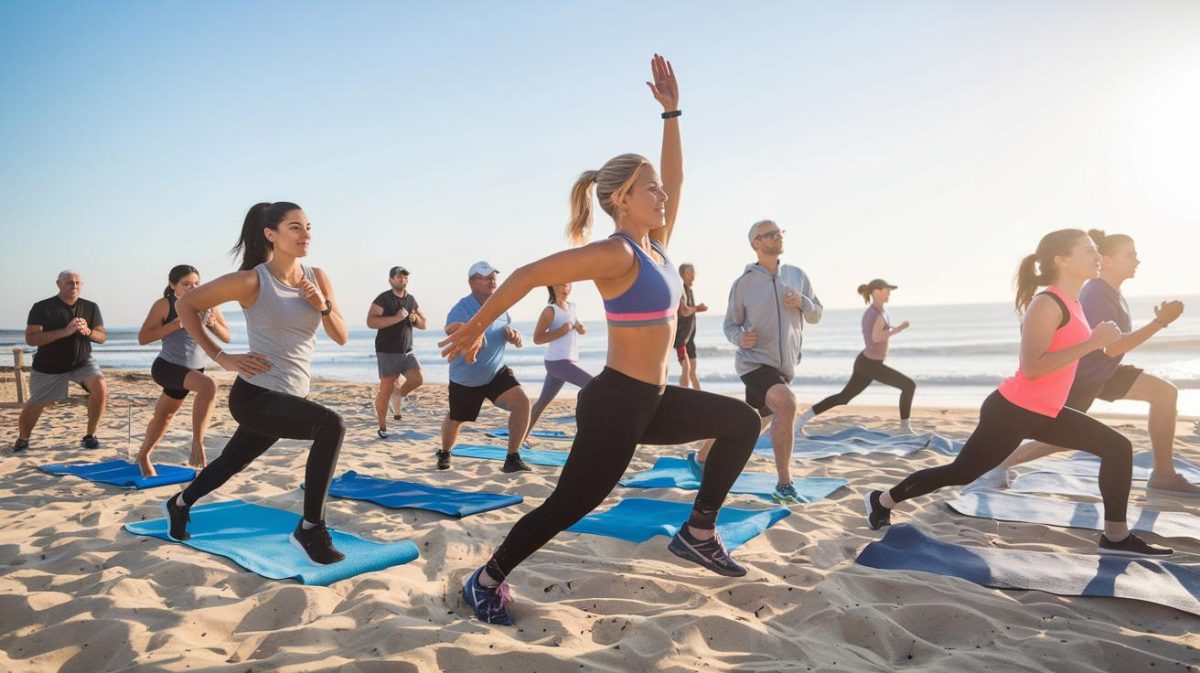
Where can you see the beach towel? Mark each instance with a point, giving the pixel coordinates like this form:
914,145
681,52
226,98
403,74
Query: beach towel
257,539
122,473
1083,464
560,435
398,494
671,472
861,441
639,519
1029,509
531,456
905,547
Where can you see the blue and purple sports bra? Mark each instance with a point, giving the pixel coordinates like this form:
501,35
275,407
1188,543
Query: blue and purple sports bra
654,296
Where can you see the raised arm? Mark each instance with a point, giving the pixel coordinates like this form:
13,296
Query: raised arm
666,91
594,261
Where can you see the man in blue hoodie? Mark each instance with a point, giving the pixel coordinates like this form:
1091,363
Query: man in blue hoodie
768,306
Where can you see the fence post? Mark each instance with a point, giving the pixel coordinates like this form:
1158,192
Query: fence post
19,373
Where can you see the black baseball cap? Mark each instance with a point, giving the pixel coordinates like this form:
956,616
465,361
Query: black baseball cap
397,271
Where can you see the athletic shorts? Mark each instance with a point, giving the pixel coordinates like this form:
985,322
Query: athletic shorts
395,364
45,388
758,382
686,351
1117,386
170,376
466,401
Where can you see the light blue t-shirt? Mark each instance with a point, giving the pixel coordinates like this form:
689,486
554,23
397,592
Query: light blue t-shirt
490,357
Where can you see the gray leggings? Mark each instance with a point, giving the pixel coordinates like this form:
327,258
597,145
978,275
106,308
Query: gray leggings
559,372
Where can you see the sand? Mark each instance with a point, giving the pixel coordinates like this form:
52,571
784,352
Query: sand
78,593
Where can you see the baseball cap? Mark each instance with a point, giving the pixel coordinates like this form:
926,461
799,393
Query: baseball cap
397,271
482,268
879,284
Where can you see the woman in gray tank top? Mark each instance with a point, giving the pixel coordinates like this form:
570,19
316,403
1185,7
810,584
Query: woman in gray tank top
179,367
284,302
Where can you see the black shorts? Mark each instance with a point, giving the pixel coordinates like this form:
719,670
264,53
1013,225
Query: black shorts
466,401
1117,386
686,351
170,376
758,382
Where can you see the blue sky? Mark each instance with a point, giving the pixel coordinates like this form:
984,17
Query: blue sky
930,143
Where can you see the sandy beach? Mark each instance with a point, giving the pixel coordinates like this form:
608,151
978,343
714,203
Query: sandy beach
78,593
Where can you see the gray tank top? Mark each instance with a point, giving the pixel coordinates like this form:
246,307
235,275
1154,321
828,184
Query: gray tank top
282,325
180,348
874,351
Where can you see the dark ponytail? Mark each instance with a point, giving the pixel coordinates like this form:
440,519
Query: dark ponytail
175,275
1038,269
253,245
553,299
865,291
1107,244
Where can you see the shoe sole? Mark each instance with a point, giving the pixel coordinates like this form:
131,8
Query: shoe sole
682,550
867,503
167,516
1133,554
296,543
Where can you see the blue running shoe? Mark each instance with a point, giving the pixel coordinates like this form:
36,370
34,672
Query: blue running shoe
786,495
696,466
709,553
489,603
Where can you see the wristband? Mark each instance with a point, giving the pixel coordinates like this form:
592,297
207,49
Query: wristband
328,309
671,114
219,354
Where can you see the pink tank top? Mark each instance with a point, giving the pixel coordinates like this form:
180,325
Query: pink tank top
1047,394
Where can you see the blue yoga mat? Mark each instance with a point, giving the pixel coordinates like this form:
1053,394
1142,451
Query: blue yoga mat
671,472
905,547
1003,506
639,519
561,435
1083,464
256,538
406,494
861,441
122,473
531,456
410,435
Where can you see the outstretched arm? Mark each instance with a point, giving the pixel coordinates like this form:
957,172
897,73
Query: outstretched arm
666,91
605,259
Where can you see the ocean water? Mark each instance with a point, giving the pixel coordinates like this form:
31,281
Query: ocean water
956,354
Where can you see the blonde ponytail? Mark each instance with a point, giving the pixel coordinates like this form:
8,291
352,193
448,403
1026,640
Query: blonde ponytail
614,179
580,226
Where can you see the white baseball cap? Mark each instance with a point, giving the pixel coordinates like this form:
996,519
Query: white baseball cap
481,268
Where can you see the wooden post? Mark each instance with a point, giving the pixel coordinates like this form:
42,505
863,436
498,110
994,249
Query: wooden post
18,373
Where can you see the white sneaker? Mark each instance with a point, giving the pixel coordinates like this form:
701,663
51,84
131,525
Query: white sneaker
995,479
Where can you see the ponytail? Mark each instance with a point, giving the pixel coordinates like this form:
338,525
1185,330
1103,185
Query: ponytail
580,226
253,245
553,299
865,292
1107,244
175,275
1038,269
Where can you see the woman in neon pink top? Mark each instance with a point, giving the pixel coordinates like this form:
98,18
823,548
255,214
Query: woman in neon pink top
1029,404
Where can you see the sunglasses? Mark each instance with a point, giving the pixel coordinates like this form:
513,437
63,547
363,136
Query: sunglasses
775,234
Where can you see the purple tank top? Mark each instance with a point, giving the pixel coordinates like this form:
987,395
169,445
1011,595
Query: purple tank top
874,351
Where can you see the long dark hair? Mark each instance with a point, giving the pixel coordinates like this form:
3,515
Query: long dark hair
177,273
553,299
1038,269
252,245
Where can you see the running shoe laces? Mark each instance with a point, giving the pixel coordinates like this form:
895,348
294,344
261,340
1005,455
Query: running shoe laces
316,543
709,553
490,604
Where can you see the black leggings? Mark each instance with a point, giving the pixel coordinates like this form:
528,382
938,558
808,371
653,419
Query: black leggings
265,416
867,370
615,413
1002,427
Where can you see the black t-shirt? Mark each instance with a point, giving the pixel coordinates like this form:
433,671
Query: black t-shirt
684,325
398,337
62,356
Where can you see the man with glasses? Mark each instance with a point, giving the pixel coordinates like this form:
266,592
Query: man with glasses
63,329
486,378
768,306
394,313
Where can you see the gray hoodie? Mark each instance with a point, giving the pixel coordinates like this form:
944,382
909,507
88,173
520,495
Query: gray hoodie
756,301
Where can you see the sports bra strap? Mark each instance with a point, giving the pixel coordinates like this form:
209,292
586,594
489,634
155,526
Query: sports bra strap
1066,313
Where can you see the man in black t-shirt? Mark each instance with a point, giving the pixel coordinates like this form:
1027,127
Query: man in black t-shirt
394,313
63,329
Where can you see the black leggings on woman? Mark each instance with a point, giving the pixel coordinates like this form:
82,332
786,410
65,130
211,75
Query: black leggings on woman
615,413
1002,427
264,417
867,370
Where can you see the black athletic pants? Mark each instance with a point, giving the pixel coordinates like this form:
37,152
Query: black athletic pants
615,413
264,417
1003,426
867,370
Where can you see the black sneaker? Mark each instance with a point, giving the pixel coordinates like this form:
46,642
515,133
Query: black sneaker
878,516
1132,546
20,445
709,553
89,442
382,432
316,544
177,519
513,463
396,417
443,458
